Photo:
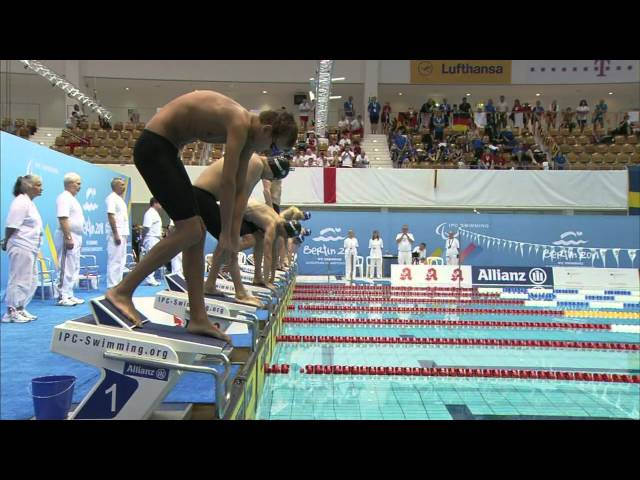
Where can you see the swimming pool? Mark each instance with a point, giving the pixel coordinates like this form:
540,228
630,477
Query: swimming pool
377,353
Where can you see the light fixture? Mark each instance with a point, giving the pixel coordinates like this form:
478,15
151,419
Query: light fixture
126,88
311,96
67,87
400,93
468,94
537,94
338,79
48,134
264,91
610,93
335,97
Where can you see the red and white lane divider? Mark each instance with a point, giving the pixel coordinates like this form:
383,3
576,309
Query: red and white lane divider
396,309
484,342
388,289
456,372
367,299
447,323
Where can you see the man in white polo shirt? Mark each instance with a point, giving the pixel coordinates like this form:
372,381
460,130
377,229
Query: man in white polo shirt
152,232
117,232
405,241
68,239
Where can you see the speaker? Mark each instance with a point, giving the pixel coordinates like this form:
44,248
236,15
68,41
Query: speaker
298,98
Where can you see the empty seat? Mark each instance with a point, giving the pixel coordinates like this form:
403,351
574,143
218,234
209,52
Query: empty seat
19,122
590,148
610,159
140,126
620,139
585,160
89,153
117,126
114,152
6,122
582,140
101,134
131,143
127,153
136,134
596,160
120,143
632,139
66,150
125,135
615,148
577,149
103,152
602,149
628,148
96,142
564,148
622,159
565,132
78,151
60,142
634,158
129,126
95,126
109,143
114,134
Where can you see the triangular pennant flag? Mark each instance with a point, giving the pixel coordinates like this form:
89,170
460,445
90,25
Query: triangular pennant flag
522,249
537,248
603,256
616,255
594,254
530,248
632,255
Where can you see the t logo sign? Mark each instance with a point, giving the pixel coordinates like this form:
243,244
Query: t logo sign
406,274
432,274
600,65
457,275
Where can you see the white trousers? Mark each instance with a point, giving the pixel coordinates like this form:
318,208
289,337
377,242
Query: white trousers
404,258
350,263
116,258
68,264
148,244
23,277
452,258
176,264
375,270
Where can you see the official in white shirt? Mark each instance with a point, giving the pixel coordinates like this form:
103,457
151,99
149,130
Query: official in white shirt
152,231
405,241
375,253
350,254
117,232
23,237
452,247
176,262
68,239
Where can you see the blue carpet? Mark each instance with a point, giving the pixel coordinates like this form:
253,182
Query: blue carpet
25,353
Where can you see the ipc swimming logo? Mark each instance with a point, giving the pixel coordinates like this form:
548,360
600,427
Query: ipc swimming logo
537,276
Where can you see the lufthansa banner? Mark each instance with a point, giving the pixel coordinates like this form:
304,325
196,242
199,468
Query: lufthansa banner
461,72
512,276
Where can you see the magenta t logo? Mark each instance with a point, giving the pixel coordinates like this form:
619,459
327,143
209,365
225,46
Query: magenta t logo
601,65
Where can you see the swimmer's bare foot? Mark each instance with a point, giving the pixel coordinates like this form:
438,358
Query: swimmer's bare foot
266,285
213,292
249,300
125,305
207,330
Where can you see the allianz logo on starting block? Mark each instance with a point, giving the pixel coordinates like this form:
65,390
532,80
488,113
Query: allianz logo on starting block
136,370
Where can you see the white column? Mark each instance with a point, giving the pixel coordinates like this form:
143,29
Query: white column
371,78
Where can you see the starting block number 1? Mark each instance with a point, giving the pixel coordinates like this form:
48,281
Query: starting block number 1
106,402
112,391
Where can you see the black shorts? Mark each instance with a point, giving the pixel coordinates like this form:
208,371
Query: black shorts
374,120
276,207
248,228
157,160
209,210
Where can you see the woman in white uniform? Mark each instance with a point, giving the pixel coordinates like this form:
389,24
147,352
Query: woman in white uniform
23,237
375,253
350,254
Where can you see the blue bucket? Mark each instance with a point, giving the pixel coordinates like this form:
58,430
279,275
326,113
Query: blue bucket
52,396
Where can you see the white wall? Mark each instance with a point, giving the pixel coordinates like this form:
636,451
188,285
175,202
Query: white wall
395,71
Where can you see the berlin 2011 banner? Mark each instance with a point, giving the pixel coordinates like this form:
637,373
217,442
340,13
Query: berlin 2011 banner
521,240
21,157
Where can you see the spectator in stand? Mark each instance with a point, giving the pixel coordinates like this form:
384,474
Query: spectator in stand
344,125
346,158
476,144
516,119
345,140
599,114
465,109
357,126
333,149
356,148
445,108
362,161
624,127
312,141
425,113
73,120
499,161
349,111
399,148
404,240
427,138
304,110
502,110
412,118
582,114
538,114
527,114
552,115
310,158
298,159
487,159
567,119
490,113
374,114
134,117
386,117
322,160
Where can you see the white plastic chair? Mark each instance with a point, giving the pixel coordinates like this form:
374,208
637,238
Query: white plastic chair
359,265
46,276
369,266
435,261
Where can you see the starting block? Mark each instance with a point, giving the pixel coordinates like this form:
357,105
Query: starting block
138,366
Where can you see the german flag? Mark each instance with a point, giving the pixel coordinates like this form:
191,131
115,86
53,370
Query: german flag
634,190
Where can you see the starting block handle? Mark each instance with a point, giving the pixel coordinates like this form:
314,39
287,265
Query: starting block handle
221,379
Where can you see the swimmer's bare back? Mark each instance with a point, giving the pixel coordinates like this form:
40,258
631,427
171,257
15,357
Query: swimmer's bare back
200,115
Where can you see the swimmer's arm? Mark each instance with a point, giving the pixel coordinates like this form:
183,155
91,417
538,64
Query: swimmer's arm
232,186
266,186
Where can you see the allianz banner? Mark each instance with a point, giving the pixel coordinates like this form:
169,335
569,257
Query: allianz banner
461,72
512,276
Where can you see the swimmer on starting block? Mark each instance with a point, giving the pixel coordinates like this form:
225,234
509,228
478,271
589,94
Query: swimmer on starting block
214,118
207,189
295,214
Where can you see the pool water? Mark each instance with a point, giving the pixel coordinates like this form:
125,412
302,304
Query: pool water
299,395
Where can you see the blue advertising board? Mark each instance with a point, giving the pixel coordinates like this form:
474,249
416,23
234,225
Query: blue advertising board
512,276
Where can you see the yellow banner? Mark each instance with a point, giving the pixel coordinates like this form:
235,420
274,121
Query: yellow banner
461,72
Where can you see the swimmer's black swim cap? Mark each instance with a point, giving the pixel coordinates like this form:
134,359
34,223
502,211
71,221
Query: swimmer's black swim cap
279,166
